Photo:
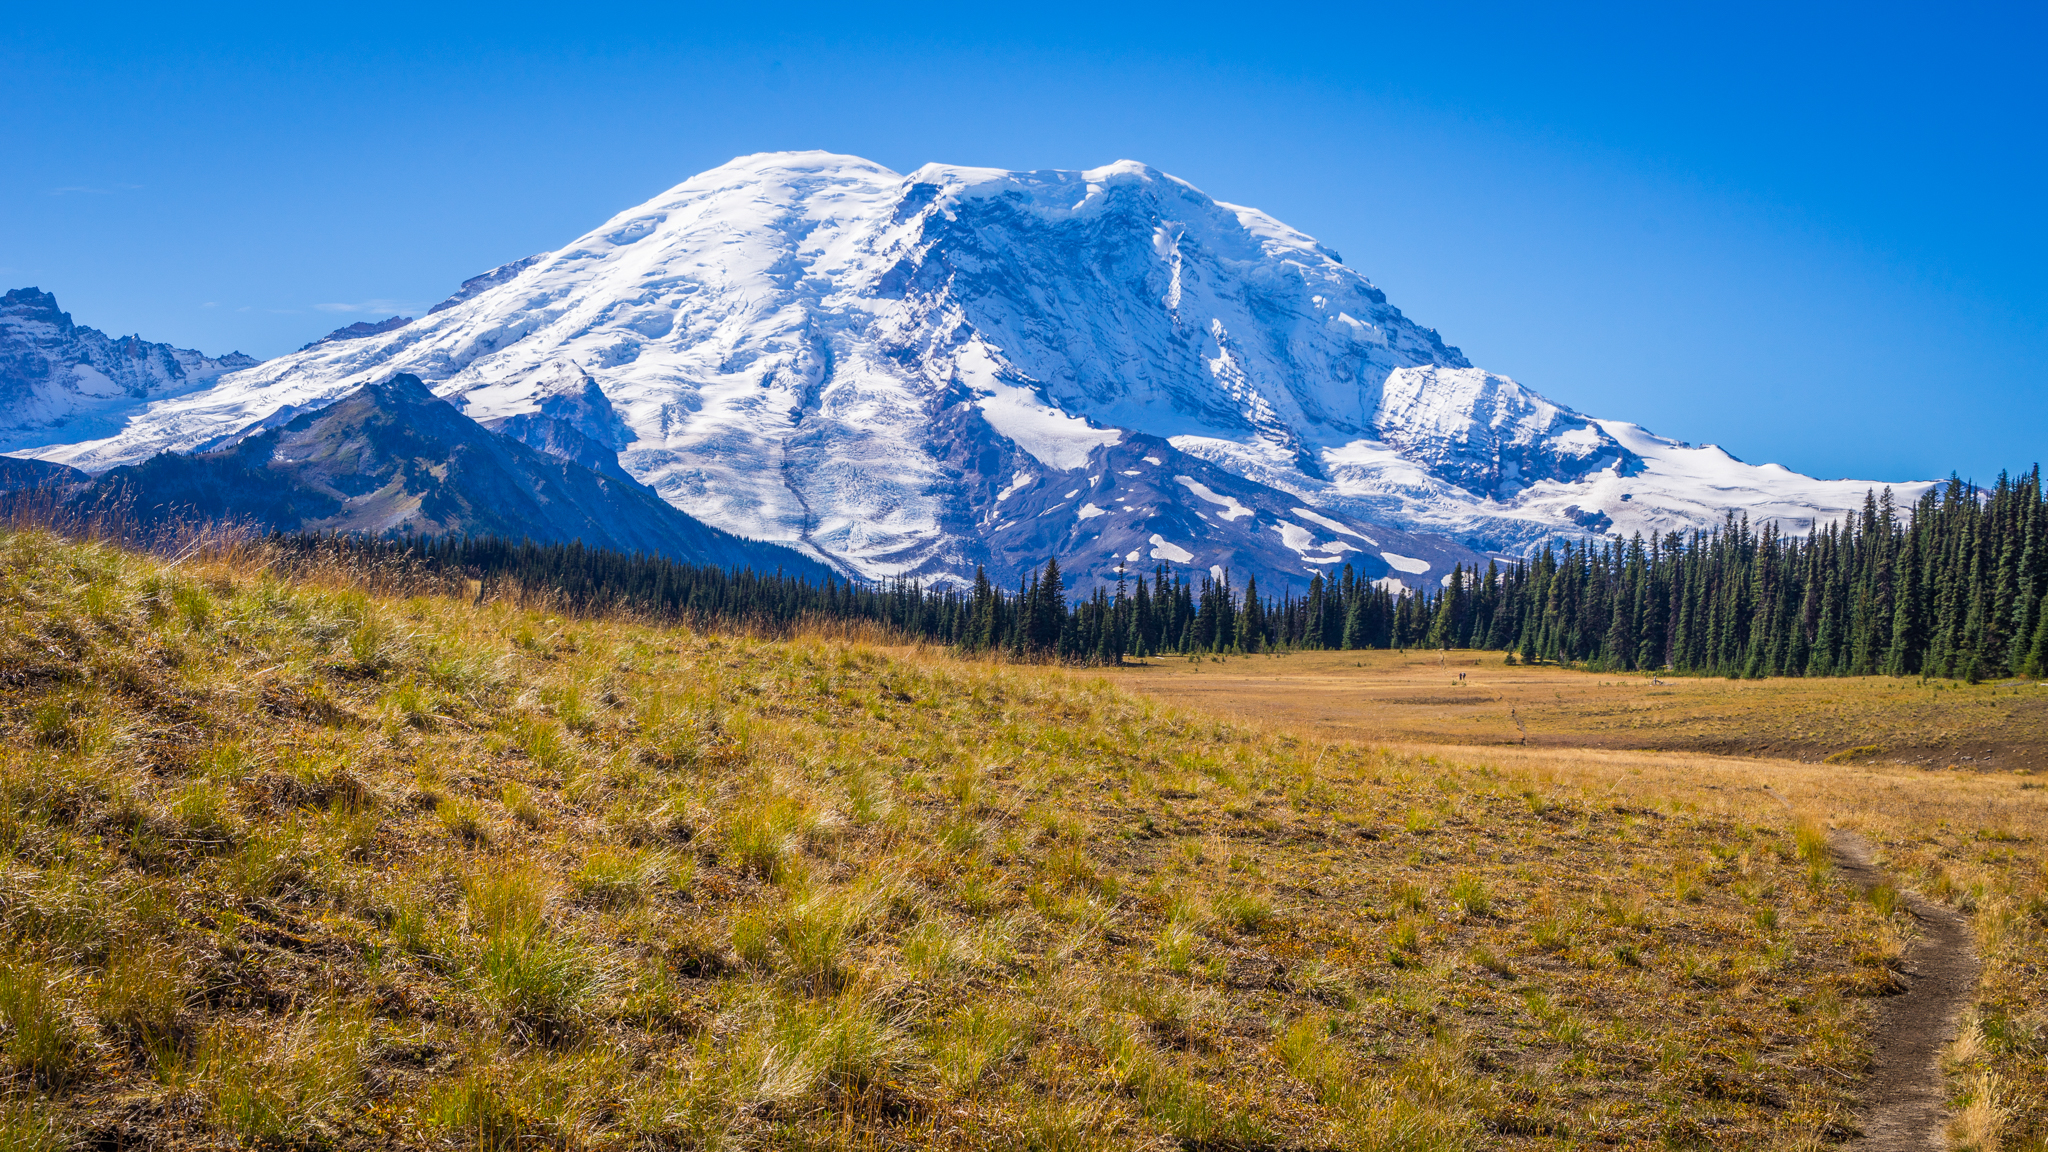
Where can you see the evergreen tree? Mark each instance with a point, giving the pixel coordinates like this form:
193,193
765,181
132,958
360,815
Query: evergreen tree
1959,588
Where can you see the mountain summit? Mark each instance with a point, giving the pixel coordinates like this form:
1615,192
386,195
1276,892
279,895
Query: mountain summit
915,374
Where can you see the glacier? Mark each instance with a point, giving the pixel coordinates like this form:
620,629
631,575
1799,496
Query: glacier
62,382
913,375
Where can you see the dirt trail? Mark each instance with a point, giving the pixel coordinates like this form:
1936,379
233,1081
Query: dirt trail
1903,1111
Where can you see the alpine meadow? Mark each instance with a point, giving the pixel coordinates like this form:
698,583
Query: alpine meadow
332,846
1025,658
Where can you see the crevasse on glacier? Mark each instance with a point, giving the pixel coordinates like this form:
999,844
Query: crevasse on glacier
917,374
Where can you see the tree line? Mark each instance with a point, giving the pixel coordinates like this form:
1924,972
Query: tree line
1954,588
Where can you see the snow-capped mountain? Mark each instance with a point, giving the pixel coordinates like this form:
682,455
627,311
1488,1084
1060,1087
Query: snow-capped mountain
61,383
917,374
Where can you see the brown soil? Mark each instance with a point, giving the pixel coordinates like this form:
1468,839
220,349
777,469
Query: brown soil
1903,1100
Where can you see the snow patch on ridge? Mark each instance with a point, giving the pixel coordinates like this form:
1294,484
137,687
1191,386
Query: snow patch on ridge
1334,526
1052,437
877,369
1231,508
1303,542
1164,549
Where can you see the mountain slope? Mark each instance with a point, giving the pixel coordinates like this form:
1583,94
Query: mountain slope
60,382
813,349
31,475
391,457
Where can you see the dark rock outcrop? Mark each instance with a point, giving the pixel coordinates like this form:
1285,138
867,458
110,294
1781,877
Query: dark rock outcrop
392,458
361,329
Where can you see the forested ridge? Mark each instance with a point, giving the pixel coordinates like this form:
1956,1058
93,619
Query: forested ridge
1954,588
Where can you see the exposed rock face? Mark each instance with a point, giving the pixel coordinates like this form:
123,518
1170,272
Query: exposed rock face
487,280
560,410
393,458
361,329
886,370
60,382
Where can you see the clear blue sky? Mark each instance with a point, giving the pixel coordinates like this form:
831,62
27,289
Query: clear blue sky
1813,237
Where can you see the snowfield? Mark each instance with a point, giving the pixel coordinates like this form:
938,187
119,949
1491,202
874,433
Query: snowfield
887,370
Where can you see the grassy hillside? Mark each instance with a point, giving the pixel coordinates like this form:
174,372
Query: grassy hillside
288,864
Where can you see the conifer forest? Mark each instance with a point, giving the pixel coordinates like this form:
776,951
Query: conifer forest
1952,587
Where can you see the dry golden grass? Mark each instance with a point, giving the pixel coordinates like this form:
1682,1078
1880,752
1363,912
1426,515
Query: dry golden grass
288,864
1416,697
1955,830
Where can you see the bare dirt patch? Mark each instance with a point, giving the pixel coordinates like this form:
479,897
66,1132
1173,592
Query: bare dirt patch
1904,1097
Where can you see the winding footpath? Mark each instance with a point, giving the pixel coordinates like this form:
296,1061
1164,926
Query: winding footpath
1904,1097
